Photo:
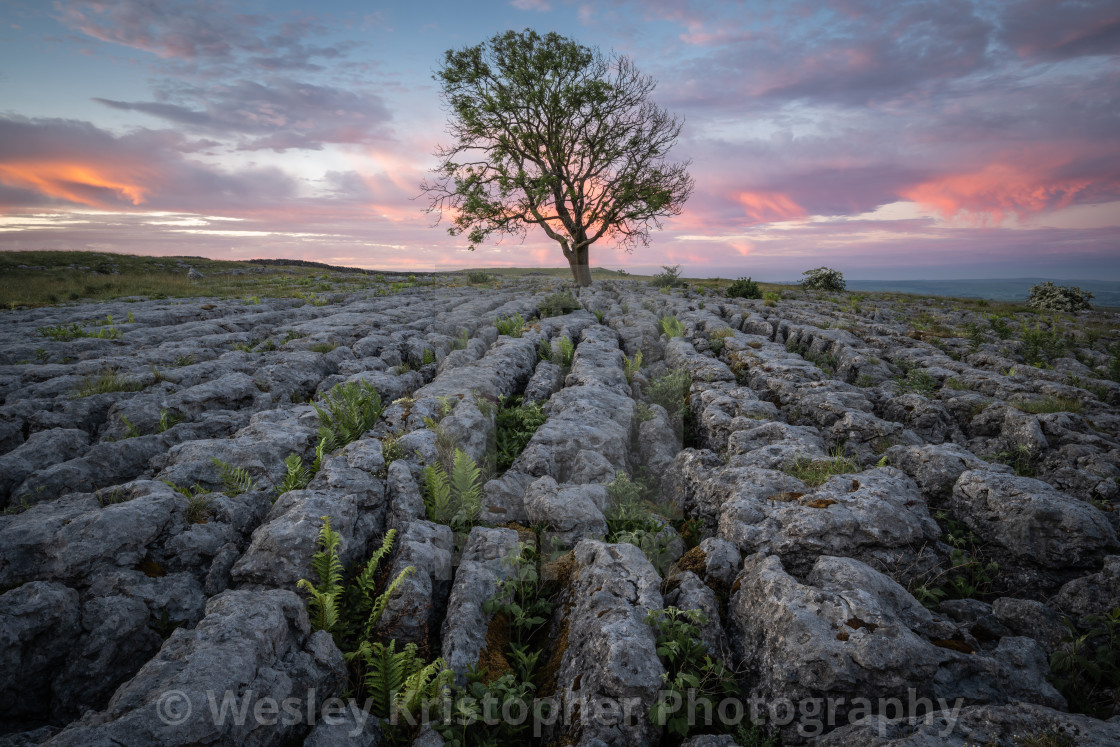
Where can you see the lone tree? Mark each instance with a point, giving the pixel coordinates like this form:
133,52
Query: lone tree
552,133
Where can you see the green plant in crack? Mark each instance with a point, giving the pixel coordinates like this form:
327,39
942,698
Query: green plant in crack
168,420
349,410
515,422
296,475
1018,458
631,366
1048,404
917,380
559,304
455,499
234,480
670,390
512,326
565,352
1086,666
132,430
716,338
816,472
670,326
691,673
109,380
520,597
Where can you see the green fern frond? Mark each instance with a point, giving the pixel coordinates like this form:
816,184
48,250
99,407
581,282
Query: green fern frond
322,607
466,485
365,579
327,444
379,604
424,684
296,477
388,671
437,494
235,480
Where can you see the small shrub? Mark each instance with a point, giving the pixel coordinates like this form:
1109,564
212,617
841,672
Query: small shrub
669,278
1086,667
823,279
1040,346
1049,297
744,288
559,304
475,277
1000,326
690,672
670,390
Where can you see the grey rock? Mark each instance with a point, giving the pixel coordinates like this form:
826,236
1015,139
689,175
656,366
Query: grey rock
487,559
40,623
571,512
1028,617
849,631
979,724
257,641
1031,522
41,449
611,651
936,467
1094,594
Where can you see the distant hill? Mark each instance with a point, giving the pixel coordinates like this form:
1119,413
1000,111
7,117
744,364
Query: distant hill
1105,292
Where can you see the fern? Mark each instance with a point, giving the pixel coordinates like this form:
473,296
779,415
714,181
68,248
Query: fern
455,500
632,366
323,604
465,484
351,409
437,494
379,604
567,351
235,480
297,476
387,671
327,444
426,684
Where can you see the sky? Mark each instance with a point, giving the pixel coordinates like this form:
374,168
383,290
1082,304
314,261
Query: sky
888,140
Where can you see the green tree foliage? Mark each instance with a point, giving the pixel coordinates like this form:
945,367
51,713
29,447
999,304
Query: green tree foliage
823,279
549,132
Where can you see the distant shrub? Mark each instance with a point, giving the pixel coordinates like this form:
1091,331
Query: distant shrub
744,288
476,277
823,279
559,304
1049,297
670,278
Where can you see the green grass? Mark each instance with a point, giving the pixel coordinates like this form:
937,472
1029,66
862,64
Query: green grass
1048,404
153,277
109,380
815,472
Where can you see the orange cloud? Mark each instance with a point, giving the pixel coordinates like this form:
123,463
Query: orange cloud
996,191
84,184
767,207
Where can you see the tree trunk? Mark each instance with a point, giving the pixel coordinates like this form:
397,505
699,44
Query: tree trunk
581,268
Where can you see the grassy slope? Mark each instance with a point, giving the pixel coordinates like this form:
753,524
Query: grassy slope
55,278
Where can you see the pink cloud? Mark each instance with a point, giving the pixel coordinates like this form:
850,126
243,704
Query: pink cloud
996,191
